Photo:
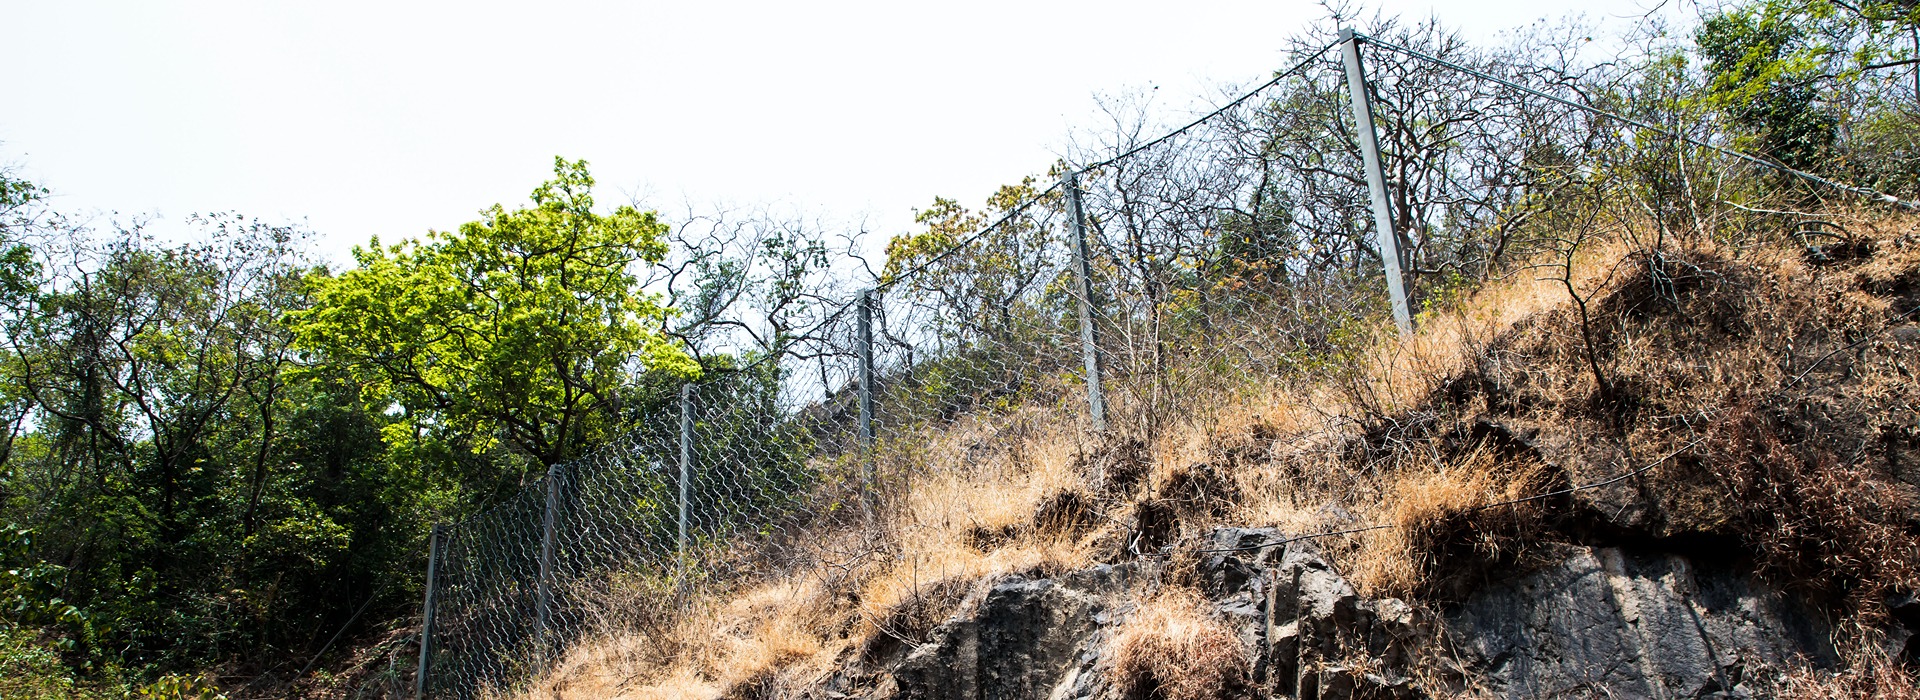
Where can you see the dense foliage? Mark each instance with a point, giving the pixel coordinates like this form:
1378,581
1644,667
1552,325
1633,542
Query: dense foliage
218,451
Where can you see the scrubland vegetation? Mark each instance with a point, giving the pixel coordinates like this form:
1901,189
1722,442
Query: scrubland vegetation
221,452
1724,436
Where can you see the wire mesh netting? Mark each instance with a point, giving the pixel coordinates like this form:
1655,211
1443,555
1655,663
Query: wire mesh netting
1239,249
519,581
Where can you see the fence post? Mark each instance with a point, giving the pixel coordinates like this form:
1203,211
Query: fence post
1376,179
865,350
686,462
426,616
549,526
1083,277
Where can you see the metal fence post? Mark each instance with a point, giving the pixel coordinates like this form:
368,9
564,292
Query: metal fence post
426,616
686,462
1376,179
549,525
1083,276
865,350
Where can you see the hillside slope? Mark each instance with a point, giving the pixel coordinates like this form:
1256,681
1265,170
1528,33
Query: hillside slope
1698,476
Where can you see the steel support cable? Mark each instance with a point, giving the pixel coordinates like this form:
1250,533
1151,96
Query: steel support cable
1030,201
882,285
1017,210
1282,75
1021,208
1757,160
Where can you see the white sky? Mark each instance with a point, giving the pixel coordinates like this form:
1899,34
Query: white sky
391,118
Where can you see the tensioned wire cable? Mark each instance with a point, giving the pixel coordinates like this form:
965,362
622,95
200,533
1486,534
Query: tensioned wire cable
1282,75
1022,207
1757,160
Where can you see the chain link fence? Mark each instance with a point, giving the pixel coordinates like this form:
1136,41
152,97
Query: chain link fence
1239,249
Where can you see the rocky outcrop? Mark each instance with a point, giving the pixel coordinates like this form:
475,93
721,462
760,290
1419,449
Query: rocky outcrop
1018,638
1588,622
1617,622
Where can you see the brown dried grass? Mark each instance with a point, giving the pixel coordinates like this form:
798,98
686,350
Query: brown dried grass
1866,673
1173,648
1368,443
1440,514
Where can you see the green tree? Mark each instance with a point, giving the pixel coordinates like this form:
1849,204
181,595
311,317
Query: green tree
1764,72
145,381
977,278
518,330
1792,72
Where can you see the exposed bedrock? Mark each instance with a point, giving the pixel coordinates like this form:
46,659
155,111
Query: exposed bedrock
1614,621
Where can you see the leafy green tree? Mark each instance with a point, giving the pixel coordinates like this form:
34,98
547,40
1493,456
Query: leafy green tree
146,378
1791,72
1765,74
518,330
977,279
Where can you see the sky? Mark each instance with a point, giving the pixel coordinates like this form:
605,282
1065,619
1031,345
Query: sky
392,118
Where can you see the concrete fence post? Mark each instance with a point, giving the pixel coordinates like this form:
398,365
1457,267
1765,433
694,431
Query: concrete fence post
1083,288
865,351
426,616
686,464
1389,240
549,531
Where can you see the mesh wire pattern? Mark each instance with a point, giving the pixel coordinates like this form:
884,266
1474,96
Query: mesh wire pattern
1237,248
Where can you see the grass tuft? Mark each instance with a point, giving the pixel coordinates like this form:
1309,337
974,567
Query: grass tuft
1173,648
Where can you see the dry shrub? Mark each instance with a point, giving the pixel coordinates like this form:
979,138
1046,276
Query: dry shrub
1198,491
1117,464
916,612
1442,515
712,645
1820,524
1064,514
1866,674
1173,648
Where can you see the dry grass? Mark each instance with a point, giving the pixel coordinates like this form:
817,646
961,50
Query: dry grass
715,644
984,500
971,512
1442,513
1768,379
1746,363
1867,673
1306,477
1172,648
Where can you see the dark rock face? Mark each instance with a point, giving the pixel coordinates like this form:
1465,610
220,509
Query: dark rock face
1024,638
1604,622
1325,641
1595,622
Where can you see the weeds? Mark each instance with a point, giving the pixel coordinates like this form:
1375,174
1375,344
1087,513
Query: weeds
1441,522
